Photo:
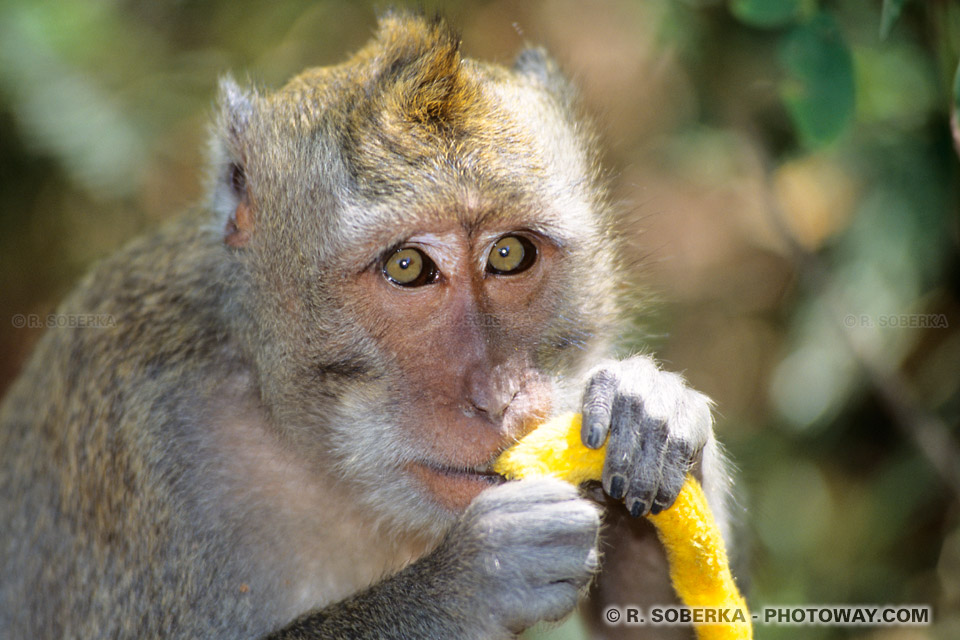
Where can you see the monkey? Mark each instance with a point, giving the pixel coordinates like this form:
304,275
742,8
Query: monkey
404,263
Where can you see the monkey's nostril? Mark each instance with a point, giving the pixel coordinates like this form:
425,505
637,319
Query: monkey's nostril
471,410
489,406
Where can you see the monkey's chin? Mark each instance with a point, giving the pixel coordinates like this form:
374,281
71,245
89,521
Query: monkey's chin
453,488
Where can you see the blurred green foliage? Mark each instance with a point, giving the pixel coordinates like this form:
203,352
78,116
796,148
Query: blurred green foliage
819,90
766,13
789,192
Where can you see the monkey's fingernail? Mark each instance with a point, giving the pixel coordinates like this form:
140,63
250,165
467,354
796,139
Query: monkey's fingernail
638,508
656,508
617,488
594,438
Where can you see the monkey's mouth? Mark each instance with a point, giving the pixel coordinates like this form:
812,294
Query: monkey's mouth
481,472
455,486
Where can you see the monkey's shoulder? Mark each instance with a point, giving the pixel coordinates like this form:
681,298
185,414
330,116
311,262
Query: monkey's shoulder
135,322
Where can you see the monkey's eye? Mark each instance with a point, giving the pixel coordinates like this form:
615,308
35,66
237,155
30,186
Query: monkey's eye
511,254
410,267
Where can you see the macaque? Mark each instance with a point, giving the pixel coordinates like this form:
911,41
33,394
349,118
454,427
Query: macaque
405,262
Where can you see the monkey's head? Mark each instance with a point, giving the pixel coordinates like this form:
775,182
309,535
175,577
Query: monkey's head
421,260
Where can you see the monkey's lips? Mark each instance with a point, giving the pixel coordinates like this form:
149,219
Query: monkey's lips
455,487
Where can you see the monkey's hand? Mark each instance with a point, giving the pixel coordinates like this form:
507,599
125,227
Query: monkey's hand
657,427
522,552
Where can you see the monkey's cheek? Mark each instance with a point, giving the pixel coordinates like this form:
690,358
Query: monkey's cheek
451,488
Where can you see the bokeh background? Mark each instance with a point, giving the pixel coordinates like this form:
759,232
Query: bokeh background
788,186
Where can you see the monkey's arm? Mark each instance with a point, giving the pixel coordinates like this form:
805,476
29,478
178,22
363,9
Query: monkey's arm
655,430
522,552
417,592
635,569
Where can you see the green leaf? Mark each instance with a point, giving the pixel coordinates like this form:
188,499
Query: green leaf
889,14
765,13
819,89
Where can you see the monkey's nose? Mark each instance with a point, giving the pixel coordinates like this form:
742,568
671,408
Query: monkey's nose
489,401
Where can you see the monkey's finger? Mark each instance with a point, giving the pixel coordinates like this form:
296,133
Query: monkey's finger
597,408
556,600
544,528
676,463
622,447
645,475
520,496
573,563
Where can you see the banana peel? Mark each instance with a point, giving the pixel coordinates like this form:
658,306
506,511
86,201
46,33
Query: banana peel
699,568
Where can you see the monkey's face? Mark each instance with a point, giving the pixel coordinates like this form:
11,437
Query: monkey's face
427,260
459,313
444,336
472,307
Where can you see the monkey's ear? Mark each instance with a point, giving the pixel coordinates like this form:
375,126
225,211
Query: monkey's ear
233,201
537,64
